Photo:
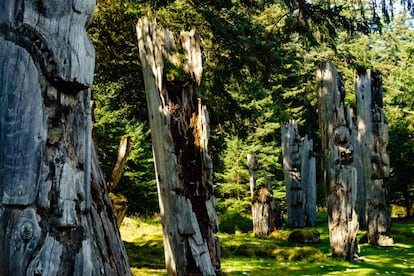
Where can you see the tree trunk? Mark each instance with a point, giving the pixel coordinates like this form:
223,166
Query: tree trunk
55,214
373,141
179,128
337,151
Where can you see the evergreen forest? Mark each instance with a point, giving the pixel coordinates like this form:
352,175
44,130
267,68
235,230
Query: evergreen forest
259,62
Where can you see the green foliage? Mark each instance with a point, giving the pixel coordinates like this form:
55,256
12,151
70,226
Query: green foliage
119,100
259,59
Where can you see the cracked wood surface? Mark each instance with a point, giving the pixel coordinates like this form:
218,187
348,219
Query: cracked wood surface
55,214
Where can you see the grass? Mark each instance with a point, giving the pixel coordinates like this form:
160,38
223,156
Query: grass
243,254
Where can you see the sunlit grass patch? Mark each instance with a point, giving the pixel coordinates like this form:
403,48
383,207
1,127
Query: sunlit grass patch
244,254
144,244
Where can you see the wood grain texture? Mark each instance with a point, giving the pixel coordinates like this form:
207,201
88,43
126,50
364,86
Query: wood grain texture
373,141
299,168
179,130
55,214
340,175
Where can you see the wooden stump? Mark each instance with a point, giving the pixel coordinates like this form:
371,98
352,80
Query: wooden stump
373,141
337,151
179,129
263,212
55,214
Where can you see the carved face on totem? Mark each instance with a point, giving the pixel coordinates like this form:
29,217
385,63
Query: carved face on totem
58,33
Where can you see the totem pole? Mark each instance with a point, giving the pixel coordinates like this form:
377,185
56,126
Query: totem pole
55,214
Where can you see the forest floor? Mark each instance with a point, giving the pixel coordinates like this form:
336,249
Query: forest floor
243,254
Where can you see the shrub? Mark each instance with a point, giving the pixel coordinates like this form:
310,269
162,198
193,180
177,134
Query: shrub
230,222
308,254
304,236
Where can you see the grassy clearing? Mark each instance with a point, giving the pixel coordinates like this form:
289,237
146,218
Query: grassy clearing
243,254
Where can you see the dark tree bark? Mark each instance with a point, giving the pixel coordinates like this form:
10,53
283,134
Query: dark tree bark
300,176
337,151
179,130
373,141
55,214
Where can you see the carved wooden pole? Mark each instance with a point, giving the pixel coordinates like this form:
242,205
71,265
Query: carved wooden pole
339,174
308,180
373,140
253,165
300,176
179,128
55,214
291,163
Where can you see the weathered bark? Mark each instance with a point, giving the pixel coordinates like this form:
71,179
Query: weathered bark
179,128
55,214
337,151
263,213
373,141
300,176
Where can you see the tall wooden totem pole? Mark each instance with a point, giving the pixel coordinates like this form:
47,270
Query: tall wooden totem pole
340,175
299,167
373,141
55,214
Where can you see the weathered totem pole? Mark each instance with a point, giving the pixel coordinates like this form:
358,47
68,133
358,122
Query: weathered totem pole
373,141
253,165
308,180
337,151
291,164
300,176
263,204
55,214
172,71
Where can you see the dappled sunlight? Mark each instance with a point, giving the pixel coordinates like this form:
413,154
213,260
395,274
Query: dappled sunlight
243,254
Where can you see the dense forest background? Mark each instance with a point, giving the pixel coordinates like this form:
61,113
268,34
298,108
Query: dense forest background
259,61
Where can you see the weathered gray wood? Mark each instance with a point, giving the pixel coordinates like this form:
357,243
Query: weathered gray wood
119,201
124,149
55,214
291,151
373,141
308,180
337,151
263,213
299,167
180,131
253,165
